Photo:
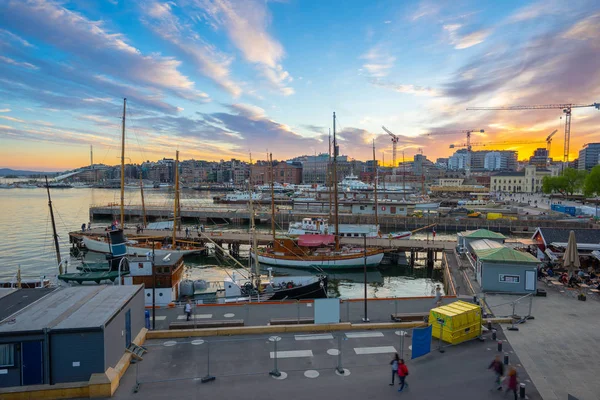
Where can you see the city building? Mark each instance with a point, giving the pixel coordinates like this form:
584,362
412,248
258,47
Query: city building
284,172
589,156
529,180
484,160
68,334
540,158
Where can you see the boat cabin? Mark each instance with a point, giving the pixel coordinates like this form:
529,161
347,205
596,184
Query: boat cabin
162,277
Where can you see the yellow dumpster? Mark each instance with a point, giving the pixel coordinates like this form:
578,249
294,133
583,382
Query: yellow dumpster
458,322
493,216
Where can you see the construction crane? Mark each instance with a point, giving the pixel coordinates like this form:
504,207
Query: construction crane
468,144
395,140
566,107
481,144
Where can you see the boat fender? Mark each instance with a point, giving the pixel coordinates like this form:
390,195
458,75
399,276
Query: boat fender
290,285
383,208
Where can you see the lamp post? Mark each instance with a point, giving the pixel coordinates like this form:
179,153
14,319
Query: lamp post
366,318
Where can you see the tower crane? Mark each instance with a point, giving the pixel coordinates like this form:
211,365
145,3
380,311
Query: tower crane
566,107
481,144
395,140
468,144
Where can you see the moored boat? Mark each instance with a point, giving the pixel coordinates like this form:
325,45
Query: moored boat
100,244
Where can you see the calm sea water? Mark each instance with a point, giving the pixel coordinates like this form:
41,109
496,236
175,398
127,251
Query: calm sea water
27,241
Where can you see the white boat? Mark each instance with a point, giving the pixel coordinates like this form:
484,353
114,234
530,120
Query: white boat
320,226
238,197
351,182
100,245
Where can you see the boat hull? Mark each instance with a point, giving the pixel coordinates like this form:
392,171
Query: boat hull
99,246
343,262
315,290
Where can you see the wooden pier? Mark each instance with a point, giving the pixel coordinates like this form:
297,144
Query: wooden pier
238,214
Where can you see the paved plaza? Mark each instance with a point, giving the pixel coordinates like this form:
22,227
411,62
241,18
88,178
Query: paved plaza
308,362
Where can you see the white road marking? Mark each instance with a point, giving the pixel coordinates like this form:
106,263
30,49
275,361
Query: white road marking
292,354
195,316
358,335
311,373
159,318
375,350
324,336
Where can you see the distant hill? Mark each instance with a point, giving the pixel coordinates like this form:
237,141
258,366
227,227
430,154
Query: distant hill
16,172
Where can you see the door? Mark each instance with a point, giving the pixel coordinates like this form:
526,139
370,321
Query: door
127,328
530,280
32,367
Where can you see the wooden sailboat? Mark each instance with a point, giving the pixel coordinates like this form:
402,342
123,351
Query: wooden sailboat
320,250
140,246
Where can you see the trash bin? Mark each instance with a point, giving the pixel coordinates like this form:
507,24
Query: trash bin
147,318
456,322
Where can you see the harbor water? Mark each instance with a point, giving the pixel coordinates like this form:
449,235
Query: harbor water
28,243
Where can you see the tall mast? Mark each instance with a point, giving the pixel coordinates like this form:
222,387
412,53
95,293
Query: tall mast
256,273
335,187
272,196
54,234
403,178
92,162
143,203
123,166
375,177
176,202
329,175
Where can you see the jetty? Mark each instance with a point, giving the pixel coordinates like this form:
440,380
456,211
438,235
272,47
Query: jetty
210,214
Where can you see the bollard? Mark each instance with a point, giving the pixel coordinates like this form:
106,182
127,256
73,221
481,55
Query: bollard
475,300
499,345
340,368
505,358
147,318
522,390
275,371
494,335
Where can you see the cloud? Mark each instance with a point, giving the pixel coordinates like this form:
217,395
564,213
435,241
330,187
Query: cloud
94,45
159,18
404,88
3,110
11,119
535,10
246,22
10,61
425,9
378,61
466,40
315,128
14,38
584,30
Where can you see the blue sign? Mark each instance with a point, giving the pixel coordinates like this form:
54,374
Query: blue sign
421,341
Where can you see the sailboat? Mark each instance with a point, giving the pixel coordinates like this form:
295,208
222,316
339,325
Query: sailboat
319,250
176,248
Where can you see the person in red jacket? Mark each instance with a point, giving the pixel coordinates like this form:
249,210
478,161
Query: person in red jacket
402,373
513,382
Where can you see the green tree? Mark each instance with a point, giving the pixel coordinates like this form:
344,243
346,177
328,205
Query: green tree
574,179
591,186
569,182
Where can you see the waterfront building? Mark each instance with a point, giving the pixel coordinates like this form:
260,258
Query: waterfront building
540,158
529,180
68,334
589,156
283,172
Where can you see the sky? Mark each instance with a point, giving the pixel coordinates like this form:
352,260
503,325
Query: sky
222,79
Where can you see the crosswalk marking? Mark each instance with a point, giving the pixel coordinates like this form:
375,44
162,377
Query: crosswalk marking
375,350
324,336
292,354
160,317
196,316
357,335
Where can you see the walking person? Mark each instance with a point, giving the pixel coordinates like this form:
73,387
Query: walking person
188,310
394,363
512,382
402,374
498,368
438,296
187,232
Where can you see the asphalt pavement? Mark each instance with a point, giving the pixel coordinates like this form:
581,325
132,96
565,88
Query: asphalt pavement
241,366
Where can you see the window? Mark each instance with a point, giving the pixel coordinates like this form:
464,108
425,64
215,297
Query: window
509,278
7,355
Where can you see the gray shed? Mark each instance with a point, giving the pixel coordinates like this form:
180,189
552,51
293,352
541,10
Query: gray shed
464,239
501,269
69,334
